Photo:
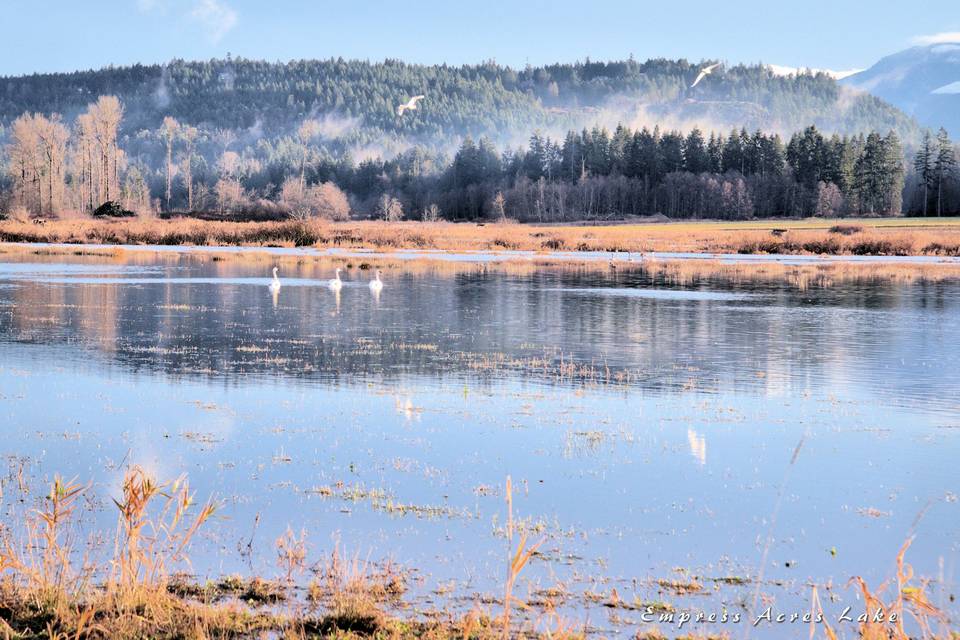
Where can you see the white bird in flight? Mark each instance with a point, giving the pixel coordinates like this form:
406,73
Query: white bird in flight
376,285
411,104
704,73
336,283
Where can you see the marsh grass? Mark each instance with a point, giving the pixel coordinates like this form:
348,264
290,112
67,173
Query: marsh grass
46,593
908,598
849,237
43,594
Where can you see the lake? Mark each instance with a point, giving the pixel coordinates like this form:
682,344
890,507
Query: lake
749,436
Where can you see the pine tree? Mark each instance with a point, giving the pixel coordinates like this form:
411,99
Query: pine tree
715,153
892,172
867,175
732,153
695,156
944,165
671,151
923,163
620,149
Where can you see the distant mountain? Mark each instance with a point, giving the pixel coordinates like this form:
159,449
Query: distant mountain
923,81
782,70
357,99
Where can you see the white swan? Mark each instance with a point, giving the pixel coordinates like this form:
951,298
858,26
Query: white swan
704,73
411,105
275,285
376,285
336,283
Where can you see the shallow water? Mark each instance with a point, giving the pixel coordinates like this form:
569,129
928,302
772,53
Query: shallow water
648,427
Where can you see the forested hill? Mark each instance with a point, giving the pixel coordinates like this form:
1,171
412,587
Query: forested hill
357,100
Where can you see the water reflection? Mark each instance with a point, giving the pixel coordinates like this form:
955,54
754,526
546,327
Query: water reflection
557,326
600,393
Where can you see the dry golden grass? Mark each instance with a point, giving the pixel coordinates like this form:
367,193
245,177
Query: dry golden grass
43,595
896,236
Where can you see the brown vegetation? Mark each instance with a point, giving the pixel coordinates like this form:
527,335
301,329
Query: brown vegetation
46,593
905,238
134,593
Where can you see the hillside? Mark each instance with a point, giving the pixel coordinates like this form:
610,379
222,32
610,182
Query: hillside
242,139
923,81
357,100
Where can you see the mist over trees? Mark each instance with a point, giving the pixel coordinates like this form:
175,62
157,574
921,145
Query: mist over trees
253,140
356,101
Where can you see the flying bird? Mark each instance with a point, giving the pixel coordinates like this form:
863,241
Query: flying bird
411,104
704,73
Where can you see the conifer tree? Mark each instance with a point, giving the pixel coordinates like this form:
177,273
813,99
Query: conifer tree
923,163
943,165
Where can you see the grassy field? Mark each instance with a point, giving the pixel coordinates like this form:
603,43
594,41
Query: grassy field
819,223
884,237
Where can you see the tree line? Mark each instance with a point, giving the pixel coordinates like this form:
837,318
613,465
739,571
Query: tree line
52,166
595,174
271,99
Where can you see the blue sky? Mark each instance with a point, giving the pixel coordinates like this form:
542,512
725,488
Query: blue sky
837,34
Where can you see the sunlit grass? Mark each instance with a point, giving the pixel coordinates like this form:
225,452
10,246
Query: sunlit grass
879,236
44,593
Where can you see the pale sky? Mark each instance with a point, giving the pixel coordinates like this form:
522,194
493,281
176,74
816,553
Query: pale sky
67,35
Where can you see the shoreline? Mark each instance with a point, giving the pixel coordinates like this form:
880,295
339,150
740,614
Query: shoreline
668,269
477,256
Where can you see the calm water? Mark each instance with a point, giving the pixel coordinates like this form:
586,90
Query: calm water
648,427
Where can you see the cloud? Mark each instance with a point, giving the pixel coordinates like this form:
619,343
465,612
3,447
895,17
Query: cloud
216,17
937,38
146,6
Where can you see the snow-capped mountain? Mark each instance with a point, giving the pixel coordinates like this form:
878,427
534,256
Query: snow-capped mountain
781,70
924,81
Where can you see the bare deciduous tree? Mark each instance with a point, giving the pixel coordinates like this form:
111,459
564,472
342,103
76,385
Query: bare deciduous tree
189,135
37,154
389,208
169,130
316,201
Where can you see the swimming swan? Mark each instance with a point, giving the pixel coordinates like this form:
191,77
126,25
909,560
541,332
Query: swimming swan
336,283
376,285
275,285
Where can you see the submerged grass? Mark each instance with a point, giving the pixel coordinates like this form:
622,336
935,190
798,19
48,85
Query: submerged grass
45,594
136,594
